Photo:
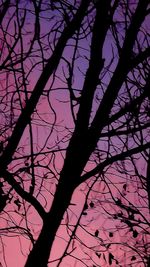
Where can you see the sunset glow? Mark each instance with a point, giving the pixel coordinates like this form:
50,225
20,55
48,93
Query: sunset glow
74,136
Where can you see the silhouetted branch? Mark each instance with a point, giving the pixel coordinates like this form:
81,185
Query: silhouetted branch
24,194
121,156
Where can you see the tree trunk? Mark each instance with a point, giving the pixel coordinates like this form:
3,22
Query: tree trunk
148,179
40,252
69,180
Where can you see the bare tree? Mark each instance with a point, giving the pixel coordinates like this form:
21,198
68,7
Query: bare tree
74,112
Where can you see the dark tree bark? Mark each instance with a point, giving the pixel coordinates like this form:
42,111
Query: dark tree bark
109,110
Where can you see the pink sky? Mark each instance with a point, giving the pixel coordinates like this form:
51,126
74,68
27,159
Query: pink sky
17,249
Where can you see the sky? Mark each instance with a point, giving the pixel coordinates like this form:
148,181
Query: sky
52,126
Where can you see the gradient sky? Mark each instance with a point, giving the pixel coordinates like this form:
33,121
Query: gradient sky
54,107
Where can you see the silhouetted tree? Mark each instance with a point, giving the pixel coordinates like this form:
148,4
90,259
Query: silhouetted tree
74,114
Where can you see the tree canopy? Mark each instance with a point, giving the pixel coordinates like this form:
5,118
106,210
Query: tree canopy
74,135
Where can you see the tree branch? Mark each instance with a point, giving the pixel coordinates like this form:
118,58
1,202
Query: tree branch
115,132
130,106
140,58
119,74
22,193
121,156
52,64
6,5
